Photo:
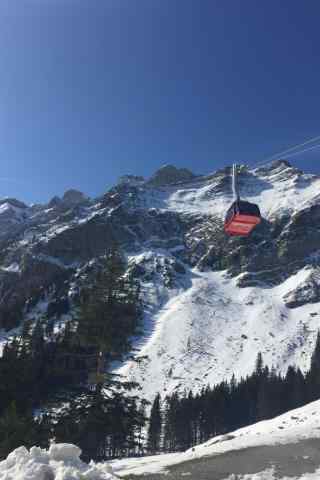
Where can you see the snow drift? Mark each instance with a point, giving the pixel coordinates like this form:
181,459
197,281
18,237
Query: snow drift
60,462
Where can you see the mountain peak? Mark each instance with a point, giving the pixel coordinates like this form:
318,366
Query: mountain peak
13,202
280,164
54,202
131,180
168,174
71,198
74,197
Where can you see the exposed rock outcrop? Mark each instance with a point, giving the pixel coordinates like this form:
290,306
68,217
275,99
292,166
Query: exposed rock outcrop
73,197
169,174
306,292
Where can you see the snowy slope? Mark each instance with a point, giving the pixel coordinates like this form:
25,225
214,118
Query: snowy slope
278,189
214,329
292,427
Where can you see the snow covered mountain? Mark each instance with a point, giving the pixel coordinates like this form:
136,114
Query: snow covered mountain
211,302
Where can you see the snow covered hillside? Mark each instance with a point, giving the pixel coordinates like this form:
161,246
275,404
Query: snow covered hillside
214,329
211,303
291,428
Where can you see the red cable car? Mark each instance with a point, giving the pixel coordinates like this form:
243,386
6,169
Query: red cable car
242,217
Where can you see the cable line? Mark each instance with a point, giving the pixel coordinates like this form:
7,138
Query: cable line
313,147
290,152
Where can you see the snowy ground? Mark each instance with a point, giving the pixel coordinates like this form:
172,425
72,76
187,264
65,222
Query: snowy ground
60,462
213,328
295,426
269,475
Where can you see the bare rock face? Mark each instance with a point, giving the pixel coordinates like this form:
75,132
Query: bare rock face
72,198
78,243
292,241
19,288
90,239
55,202
131,180
13,215
169,174
307,292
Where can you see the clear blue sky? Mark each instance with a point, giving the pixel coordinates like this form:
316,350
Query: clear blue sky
93,89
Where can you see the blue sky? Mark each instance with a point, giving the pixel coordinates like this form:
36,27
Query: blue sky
93,89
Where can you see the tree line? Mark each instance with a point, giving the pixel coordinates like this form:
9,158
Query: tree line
180,421
111,422
42,367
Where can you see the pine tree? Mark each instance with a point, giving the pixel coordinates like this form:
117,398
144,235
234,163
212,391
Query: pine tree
263,401
300,392
17,430
169,437
259,365
104,423
313,378
155,426
294,387
109,312
142,419
26,330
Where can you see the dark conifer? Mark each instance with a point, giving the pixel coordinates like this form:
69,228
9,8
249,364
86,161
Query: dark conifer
155,426
109,312
17,430
313,377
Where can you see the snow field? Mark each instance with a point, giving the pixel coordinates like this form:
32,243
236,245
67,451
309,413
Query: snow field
213,328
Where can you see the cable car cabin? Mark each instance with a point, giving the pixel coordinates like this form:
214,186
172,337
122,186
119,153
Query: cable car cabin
242,217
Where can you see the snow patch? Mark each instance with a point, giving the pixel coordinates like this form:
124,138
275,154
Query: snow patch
13,268
61,461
